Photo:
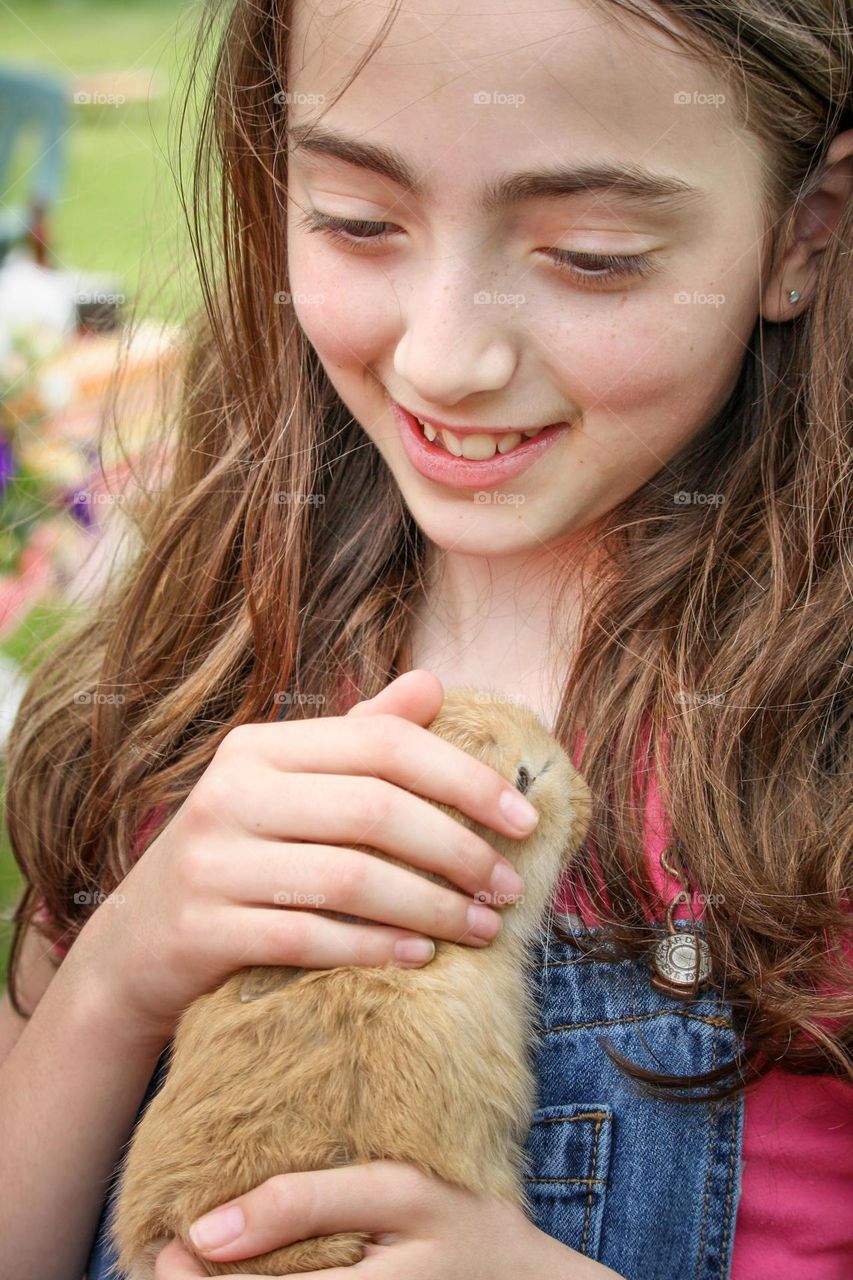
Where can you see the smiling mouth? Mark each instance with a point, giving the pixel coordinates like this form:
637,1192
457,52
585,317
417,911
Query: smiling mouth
477,447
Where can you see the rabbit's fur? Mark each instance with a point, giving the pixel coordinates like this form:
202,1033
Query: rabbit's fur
285,1069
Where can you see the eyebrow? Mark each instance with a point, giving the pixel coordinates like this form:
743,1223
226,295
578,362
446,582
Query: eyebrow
630,182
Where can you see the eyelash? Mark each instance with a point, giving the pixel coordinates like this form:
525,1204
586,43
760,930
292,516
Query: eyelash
615,266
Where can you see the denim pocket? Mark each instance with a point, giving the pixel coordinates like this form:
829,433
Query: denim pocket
568,1157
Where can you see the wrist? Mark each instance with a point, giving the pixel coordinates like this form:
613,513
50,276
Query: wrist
96,1004
562,1263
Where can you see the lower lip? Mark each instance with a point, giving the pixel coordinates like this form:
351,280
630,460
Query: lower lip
435,463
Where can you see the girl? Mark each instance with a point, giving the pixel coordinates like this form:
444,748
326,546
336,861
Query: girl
601,252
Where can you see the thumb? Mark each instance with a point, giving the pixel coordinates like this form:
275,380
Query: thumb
415,695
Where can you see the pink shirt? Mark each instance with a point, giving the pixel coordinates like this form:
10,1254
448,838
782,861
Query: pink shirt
795,1215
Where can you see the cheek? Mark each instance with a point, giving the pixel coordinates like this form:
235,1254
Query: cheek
654,380
346,308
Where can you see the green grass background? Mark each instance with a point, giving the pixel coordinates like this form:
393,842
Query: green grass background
120,213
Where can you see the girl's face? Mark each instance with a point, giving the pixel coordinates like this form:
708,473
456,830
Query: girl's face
482,315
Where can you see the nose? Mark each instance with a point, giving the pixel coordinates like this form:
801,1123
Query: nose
455,342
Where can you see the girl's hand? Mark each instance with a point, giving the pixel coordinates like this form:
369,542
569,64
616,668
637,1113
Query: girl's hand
260,843
422,1228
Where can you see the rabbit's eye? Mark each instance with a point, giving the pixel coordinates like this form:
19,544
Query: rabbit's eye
523,780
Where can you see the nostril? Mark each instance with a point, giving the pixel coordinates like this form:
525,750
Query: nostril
523,780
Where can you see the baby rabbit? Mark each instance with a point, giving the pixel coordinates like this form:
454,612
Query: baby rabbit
285,1069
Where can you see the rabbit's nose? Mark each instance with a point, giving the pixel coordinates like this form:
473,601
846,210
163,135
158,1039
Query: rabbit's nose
524,778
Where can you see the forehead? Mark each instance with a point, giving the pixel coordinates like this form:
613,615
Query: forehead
516,81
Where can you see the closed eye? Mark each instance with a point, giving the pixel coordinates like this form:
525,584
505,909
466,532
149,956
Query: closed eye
358,233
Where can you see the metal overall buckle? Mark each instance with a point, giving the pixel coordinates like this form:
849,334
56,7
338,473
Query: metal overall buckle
681,960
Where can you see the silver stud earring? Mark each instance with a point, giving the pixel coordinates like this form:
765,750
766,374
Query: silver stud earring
793,296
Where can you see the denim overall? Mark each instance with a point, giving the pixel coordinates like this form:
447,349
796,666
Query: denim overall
648,1187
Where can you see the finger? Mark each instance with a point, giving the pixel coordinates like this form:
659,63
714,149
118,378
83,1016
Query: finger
334,813
355,883
415,695
383,746
174,1263
367,1268
306,940
381,1196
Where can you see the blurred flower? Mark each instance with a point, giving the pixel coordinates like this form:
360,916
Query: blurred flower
80,506
36,472
7,462
54,461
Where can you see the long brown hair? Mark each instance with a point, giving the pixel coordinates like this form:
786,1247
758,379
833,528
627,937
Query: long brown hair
278,554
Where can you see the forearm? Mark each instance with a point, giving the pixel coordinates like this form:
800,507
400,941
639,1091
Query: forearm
69,1093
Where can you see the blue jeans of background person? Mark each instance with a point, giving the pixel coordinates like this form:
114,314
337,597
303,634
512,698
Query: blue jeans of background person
647,1186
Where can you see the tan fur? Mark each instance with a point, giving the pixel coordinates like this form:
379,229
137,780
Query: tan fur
284,1069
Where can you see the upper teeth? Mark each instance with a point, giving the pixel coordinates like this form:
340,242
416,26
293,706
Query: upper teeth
478,447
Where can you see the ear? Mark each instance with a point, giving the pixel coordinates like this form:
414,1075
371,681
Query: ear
813,222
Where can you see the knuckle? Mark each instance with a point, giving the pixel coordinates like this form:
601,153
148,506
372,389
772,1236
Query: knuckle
209,800
449,913
187,927
395,737
363,952
413,1186
348,878
476,856
192,870
371,803
368,947
237,742
279,1192
295,929
385,734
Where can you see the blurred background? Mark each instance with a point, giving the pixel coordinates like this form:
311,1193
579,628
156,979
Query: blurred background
96,286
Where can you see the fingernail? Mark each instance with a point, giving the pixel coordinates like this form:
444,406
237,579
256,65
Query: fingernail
482,922
520,812
505,882
218,1228
414,950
